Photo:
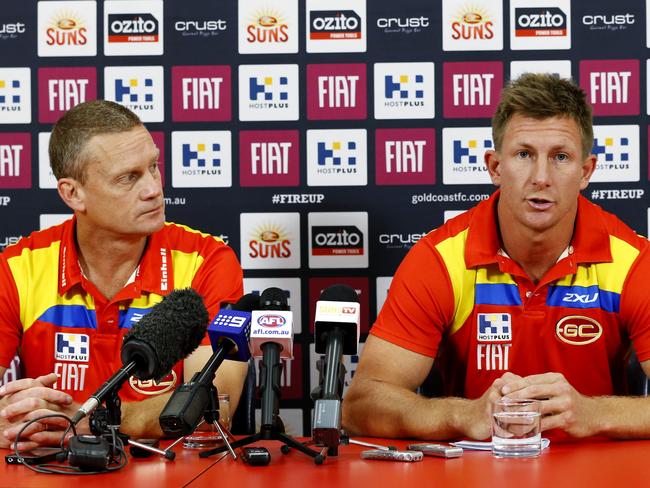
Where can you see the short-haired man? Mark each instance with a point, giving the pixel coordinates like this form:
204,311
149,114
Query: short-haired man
84,280
496,294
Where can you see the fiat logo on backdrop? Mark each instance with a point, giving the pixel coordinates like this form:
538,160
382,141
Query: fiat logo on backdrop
578,330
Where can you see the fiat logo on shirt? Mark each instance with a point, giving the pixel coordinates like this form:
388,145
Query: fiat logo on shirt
578,330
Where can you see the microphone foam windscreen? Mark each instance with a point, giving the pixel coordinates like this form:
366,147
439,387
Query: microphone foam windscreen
339,293
247,303
273,299
173,329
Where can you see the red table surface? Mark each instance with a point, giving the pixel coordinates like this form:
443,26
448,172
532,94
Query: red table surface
576,464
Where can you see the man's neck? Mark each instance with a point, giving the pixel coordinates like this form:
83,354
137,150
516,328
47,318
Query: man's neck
108,260
535,252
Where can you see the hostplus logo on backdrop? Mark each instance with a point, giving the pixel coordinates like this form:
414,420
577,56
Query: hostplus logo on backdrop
336,91
462,155
60,89
133,28
67,28
270,240
201,94
337,157
612,86
269,158
268,26
201,159
472,26
336,26
268,92
471,90
404,91
405,156
15,96
15,160
617,150
138,88
541,24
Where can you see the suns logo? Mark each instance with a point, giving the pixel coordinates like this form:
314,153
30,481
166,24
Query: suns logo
66,29
472,23
269,241
267,26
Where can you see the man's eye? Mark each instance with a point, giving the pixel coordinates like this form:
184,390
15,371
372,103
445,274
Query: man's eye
561,157
523,154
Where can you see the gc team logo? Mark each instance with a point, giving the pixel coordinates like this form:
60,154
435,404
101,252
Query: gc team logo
153,387
404,91
268,92
138,88
268,26
578,330
462,155
617,150
336,26
67,28
270,240
133,28
540,25
71,347
201,159
337,157
472,26
15,96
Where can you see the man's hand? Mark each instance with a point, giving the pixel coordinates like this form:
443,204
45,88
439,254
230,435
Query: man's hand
562,406
26,399
476,421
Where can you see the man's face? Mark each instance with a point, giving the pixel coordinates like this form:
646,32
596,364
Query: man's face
122,192
540,169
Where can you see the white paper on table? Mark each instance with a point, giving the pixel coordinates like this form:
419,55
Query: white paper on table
487,446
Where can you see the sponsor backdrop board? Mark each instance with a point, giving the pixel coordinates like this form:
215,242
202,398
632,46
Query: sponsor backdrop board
320,138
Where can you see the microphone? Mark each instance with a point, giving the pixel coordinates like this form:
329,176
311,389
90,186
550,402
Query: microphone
168,333
228,334
336,331
271,339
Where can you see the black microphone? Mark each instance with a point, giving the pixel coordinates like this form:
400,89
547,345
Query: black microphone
336,332
228,333
170,332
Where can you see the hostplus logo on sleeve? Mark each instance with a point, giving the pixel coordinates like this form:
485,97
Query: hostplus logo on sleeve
15,96
138,88
268,92
617,150
337,157
201,159
463,149
404,91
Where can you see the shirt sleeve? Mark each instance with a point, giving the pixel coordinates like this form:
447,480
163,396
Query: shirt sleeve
635,305
10,325
420,302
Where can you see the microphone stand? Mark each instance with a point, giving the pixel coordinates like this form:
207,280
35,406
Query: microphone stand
271,426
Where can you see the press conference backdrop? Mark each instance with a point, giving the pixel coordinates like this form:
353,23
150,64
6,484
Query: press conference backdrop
321,138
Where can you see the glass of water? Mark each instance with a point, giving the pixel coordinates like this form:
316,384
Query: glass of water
206,436
516,428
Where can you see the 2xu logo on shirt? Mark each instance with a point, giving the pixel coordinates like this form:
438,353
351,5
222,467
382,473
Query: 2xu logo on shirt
336,240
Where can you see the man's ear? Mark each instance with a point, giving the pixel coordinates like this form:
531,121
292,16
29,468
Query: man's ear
492,160
72,193
588,168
